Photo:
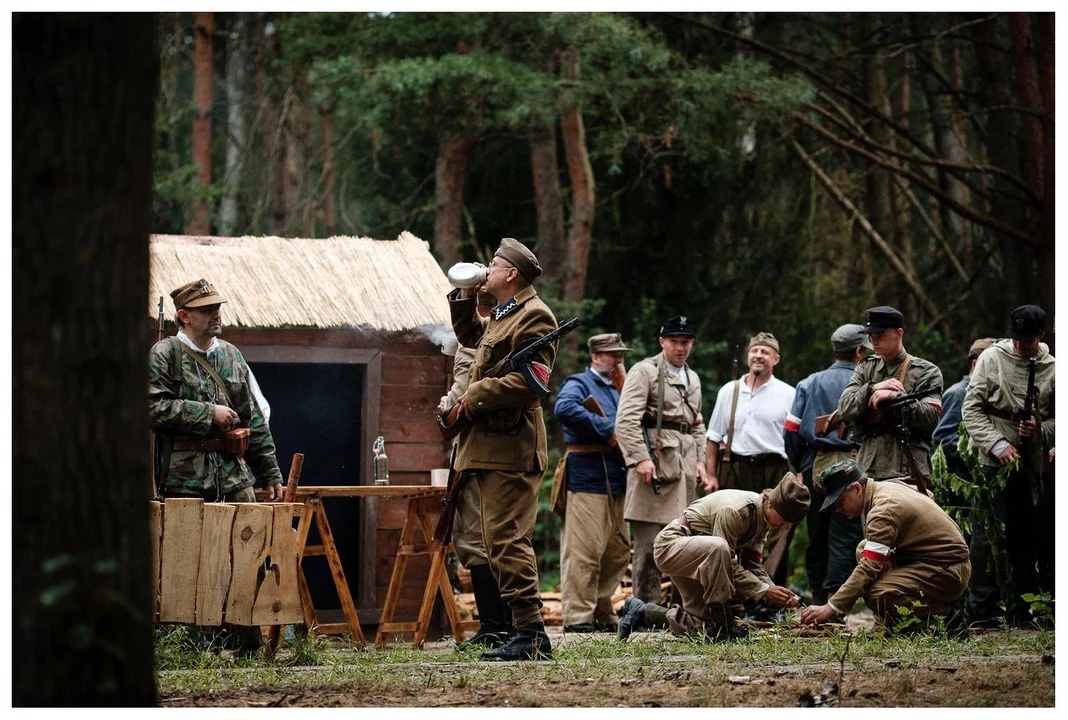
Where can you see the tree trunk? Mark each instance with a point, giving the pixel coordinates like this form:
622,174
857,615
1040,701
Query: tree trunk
83,97
1047,265
580,224
329,213
237,138
264,127
1001,141
549,206
203,89
294,179
1026,73
449,176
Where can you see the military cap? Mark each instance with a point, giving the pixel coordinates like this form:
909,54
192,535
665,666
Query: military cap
979,346
607,342
521,257
882,318
790,498
486,299
1027,321
763,338
196,294
849,337
837,478
677,325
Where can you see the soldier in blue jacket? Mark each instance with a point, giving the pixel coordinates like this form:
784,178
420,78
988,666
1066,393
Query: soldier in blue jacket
595,542
832,537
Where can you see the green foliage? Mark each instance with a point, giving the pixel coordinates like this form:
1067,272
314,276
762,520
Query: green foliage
979,493
908,617
1041,605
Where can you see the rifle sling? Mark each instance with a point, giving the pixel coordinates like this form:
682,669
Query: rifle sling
659,408
730,425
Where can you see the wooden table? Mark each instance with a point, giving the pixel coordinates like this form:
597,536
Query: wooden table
424,501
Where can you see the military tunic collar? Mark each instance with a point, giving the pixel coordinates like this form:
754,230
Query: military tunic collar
513,302
896,361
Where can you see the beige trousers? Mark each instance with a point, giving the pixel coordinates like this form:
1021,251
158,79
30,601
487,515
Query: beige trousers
936,587
700,566
594,550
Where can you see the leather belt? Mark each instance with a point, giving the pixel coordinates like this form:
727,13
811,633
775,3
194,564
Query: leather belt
590,449
998,412
762,459
684,428
209,445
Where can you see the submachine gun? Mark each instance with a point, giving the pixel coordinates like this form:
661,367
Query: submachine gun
887,419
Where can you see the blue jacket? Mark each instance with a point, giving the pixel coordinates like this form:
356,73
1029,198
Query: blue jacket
816,395
952,403
586,471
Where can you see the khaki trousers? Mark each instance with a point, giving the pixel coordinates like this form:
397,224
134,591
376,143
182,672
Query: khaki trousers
937,587
594,550
509,507
646,575
467,526
700,566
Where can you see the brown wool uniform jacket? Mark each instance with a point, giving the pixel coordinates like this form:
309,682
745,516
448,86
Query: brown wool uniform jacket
736,516
508,432
680,452
882,456
906,527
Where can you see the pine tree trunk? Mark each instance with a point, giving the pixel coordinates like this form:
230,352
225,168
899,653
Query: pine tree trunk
580,224
1047,253
237,138
294,185
203,90
329,214
450,174
548,205
84,93
1026,72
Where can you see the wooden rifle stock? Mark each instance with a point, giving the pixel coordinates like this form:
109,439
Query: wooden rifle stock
443,530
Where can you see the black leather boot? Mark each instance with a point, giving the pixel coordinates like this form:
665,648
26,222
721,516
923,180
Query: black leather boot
495,618
721,625
528,643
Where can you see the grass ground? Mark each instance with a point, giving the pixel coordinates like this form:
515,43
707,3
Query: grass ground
1000,668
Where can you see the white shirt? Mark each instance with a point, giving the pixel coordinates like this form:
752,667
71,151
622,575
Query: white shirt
758,420
254,386
677,373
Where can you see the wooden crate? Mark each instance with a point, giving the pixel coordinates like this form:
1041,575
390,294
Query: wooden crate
225,562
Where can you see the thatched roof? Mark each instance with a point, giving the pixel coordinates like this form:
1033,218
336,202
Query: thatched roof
269,282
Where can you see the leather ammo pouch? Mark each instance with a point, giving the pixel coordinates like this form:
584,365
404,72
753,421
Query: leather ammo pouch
237,441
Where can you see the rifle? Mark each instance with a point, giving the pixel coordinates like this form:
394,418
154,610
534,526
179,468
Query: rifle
155,450
1027,444
443,530
876,421
452,422
725,448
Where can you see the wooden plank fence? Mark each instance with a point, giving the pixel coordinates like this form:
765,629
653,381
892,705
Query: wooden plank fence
236,563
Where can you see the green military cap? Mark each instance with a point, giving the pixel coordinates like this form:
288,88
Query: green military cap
606,342
196,294
837,478
763,338
520,256
849,337
790,498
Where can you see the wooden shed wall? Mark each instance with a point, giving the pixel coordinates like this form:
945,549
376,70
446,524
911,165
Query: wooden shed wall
414,374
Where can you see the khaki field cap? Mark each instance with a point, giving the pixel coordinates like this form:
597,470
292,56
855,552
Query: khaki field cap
196,294
521,257
608,342
790,498
763,338
849,337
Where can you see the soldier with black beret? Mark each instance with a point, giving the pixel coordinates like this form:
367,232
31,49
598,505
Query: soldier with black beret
912,551
894,443
661,434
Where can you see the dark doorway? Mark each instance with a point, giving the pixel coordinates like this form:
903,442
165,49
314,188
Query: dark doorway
315,410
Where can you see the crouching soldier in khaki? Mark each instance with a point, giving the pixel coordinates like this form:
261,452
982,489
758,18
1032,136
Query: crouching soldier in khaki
714,555
911,551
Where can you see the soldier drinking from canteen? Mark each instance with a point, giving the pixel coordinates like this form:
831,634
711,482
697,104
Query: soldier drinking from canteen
893,401
660,431
912,552
713,553
1008,412
503,450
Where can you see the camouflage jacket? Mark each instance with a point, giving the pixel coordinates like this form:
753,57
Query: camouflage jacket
181,396
881,453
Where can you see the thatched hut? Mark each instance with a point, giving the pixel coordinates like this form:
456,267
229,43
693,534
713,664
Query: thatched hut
345,337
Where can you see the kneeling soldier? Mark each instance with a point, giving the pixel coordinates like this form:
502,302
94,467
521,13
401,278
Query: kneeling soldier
714,555
912,551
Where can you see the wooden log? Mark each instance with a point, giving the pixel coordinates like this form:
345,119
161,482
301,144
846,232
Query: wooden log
251,541
155,525
183,522
278,599
213,580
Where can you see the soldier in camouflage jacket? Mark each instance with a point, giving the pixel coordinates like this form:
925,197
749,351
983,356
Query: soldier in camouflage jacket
187,408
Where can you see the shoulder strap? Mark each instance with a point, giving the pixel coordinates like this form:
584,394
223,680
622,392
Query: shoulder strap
659,402
214,375
904,369
730,426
